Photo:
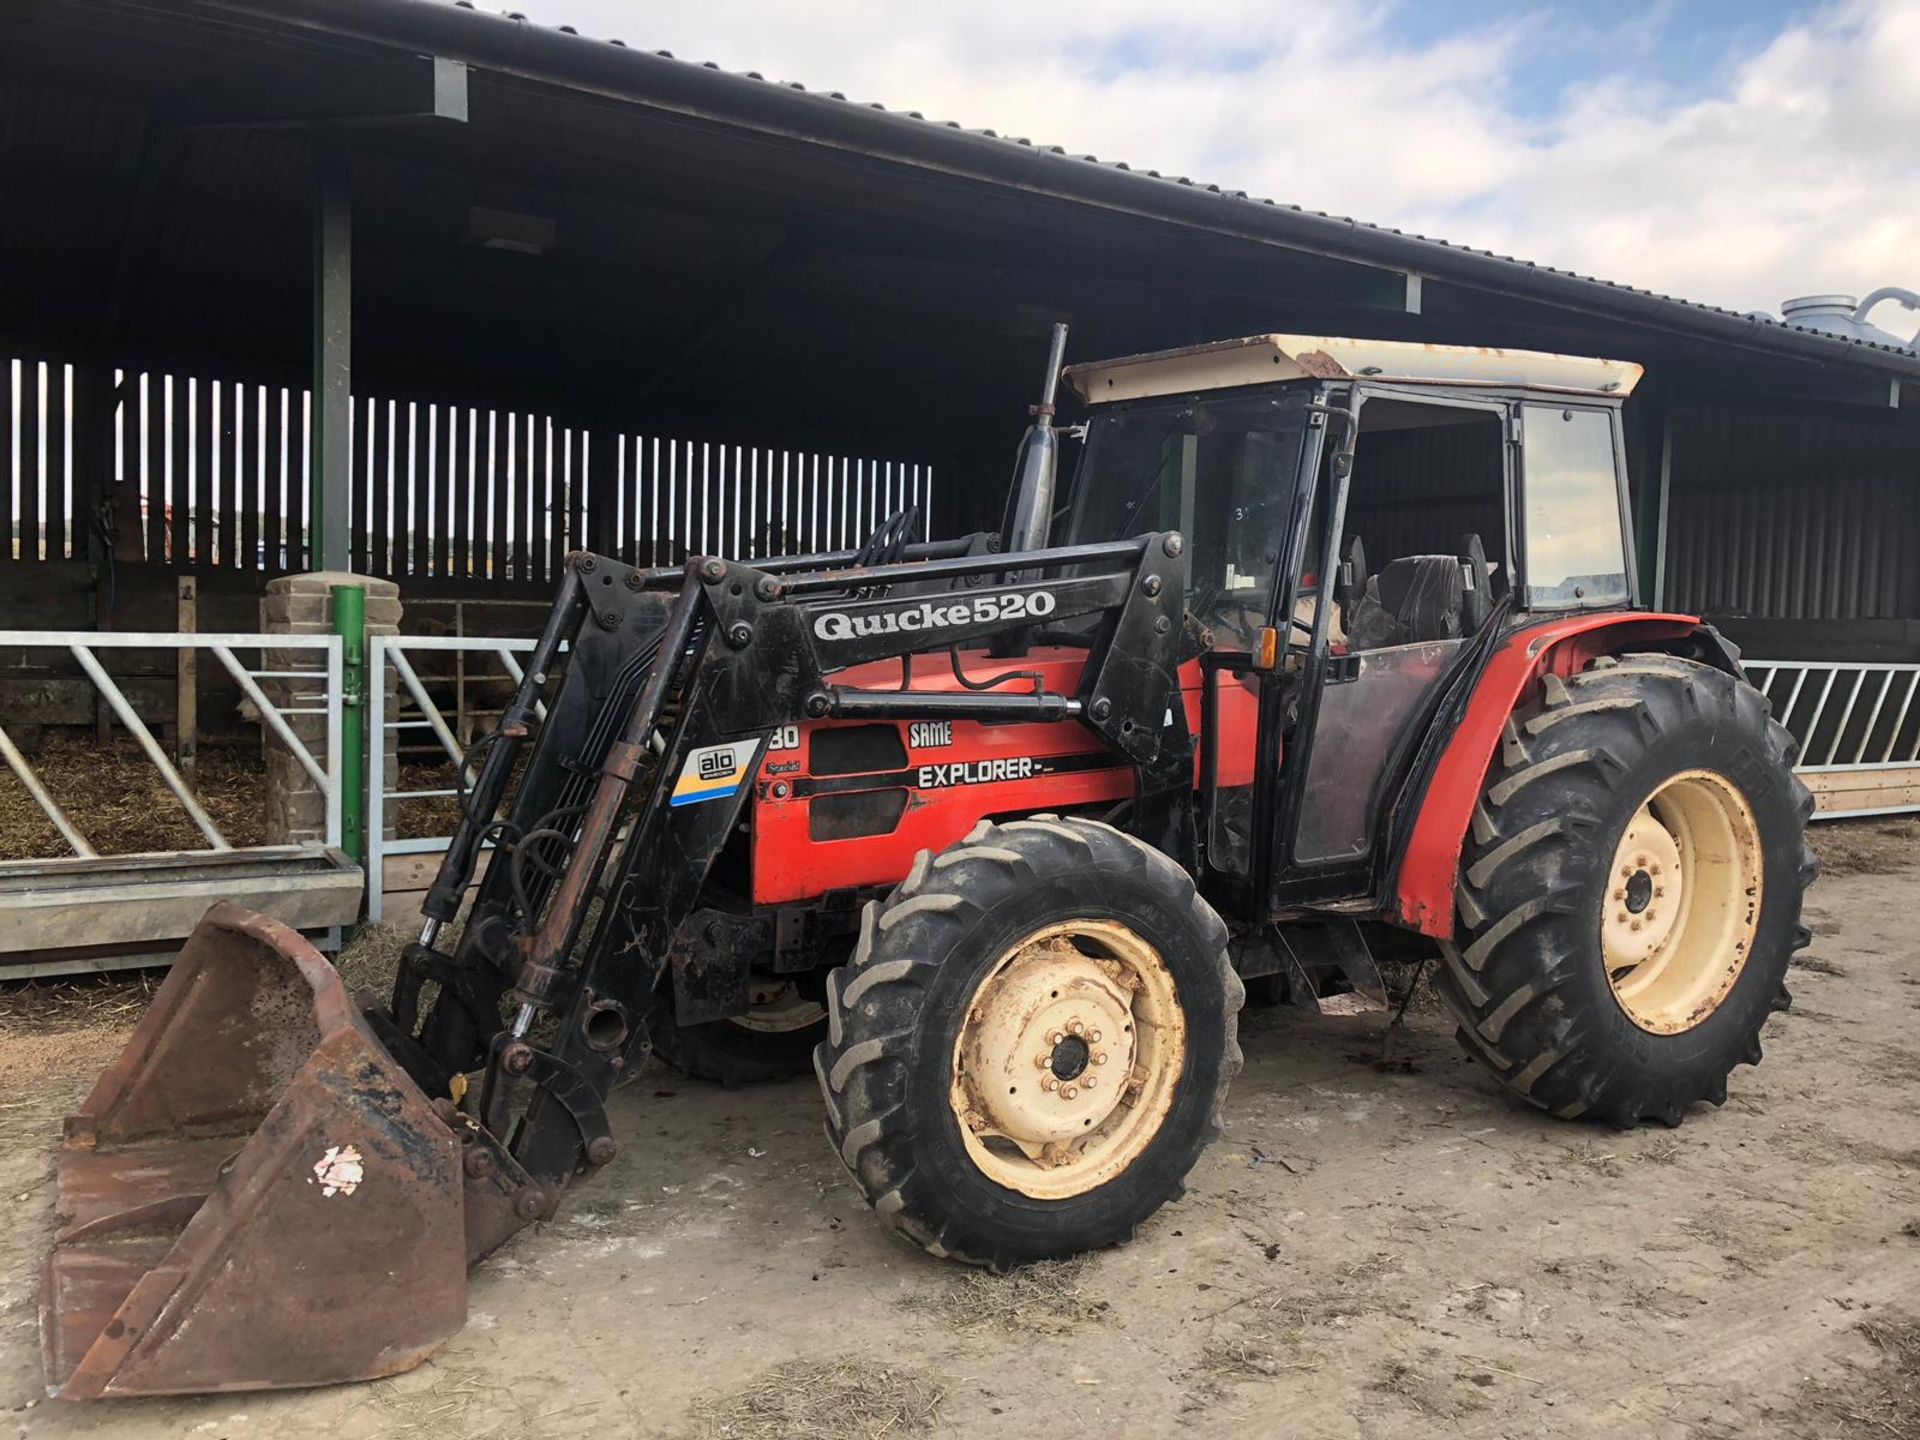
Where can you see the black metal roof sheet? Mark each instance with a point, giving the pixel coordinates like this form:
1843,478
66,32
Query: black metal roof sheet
1365,241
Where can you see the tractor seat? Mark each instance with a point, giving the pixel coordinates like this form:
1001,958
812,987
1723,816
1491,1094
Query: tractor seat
1414,598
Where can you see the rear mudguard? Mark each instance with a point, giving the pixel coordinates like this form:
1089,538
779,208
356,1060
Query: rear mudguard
1420,892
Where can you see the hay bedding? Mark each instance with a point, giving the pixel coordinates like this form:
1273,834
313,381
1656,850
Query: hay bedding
116,798
835,1399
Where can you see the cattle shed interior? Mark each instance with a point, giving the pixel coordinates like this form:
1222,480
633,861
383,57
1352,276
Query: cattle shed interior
542,273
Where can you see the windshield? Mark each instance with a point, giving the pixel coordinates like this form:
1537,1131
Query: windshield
1218,469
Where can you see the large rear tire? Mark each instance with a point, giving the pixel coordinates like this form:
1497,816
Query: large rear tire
774,1040
1032,1043
1630,892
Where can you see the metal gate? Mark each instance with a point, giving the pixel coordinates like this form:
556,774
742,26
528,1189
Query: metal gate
390,659
88,910
1858,728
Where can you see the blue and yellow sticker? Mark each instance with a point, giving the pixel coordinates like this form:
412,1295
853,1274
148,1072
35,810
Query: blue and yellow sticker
713,772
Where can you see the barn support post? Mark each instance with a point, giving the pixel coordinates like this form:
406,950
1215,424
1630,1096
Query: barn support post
1654,550
332,355
1650,471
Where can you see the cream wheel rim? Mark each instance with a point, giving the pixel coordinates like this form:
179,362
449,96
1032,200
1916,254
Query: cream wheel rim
1068,1060
1682,902
778,1008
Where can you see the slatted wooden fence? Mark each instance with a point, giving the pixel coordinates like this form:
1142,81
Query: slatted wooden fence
221,470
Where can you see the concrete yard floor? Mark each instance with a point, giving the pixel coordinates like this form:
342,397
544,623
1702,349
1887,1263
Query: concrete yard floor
1369,1252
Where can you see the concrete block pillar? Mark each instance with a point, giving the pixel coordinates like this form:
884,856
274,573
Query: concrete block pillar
303,605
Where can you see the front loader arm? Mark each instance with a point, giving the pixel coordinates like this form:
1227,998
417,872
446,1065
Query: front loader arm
741,652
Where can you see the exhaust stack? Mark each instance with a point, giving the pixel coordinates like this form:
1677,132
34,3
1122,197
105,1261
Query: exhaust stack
1039,459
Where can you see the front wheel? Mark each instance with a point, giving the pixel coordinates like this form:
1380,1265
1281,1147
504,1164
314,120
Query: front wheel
1031,1046
1629,896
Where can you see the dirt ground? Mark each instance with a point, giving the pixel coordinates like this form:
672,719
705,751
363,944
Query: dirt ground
1368,1252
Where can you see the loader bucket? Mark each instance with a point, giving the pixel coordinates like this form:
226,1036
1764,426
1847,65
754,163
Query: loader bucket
255,1194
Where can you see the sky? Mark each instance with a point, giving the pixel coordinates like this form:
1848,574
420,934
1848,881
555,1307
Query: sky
1730,151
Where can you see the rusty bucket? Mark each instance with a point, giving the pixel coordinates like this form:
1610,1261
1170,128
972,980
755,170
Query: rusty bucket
255,1194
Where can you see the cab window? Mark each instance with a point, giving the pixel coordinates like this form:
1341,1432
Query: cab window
1572,541
1221,471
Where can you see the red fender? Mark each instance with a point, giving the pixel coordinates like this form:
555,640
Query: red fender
1423,896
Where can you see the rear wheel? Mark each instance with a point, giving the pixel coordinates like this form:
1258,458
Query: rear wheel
774,1040
1032,1044
1630,892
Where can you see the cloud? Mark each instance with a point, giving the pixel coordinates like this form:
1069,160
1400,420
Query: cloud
1784,168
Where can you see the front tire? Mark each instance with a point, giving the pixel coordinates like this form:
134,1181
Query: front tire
1032,1043
1630,892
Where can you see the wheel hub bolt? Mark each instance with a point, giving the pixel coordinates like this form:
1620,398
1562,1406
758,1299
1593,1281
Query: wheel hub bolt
1099,1057
1067,1092
1091,1081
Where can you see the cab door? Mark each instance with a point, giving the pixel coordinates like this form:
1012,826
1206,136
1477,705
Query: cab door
1373,651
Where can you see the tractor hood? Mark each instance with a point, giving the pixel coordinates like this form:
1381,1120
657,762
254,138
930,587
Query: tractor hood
1263,359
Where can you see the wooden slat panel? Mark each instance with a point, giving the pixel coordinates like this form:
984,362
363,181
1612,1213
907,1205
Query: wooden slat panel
499,495
526,546
175,416
274,478
432,491
30,471
440,492
418,488
300,555
444,444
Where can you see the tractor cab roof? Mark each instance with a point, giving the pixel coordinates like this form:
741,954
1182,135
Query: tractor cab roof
1265,359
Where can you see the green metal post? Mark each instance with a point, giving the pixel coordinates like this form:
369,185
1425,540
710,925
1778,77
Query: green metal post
350,624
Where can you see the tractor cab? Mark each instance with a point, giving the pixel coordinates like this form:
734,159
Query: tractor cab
1360,513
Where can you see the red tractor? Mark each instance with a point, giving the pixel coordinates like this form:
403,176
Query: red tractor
993,834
